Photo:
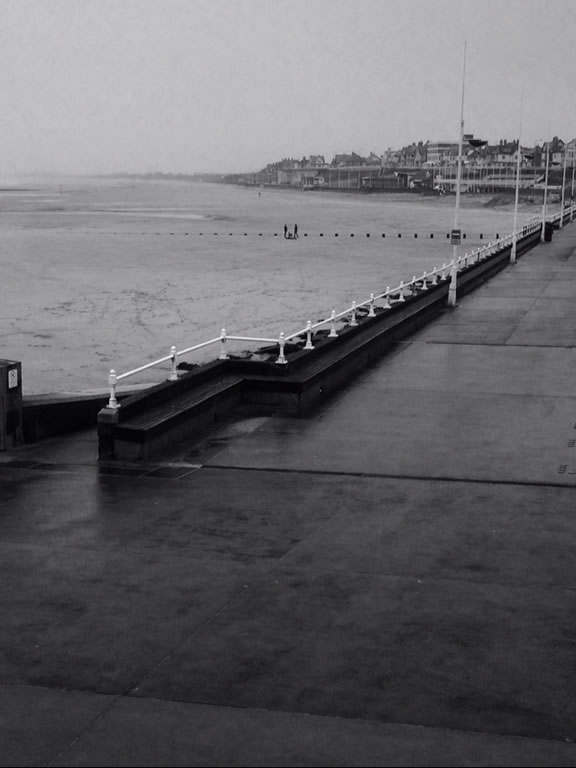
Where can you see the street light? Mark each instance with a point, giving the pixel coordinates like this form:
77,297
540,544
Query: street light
563,191
516,196
545,192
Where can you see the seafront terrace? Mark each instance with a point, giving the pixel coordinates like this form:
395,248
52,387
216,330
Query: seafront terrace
388,582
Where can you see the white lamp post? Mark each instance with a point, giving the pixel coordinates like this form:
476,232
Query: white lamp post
516,196
563,188
545,192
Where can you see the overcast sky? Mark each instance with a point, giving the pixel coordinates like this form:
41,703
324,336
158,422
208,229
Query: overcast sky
230,85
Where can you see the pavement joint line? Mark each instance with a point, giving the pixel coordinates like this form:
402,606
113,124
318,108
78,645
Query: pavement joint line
67,468
373,722
524,586
115,697
392,476
497,344
132,691
147,473
525,314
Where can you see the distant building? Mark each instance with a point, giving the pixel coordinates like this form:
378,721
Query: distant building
439,151
391,158
343,161
373,159
557,151
414,155
571,153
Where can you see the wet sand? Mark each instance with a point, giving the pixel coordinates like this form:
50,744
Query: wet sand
100,273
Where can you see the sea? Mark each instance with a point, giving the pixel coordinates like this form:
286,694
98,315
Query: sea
107,273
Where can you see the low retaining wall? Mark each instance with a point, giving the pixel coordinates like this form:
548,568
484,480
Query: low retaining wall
309,376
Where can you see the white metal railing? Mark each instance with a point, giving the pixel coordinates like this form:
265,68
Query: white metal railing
385,300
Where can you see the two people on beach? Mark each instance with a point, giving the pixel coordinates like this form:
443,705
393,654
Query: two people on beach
291,235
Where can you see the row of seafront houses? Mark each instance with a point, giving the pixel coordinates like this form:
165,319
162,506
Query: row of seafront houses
429,167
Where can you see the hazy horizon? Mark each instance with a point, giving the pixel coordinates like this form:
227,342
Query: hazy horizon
227,86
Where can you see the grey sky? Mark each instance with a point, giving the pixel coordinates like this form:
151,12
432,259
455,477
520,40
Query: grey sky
229,85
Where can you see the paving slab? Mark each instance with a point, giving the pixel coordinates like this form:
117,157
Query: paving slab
230,516
434,652
151,733
97,621
550,322
411,433
37,724
514,535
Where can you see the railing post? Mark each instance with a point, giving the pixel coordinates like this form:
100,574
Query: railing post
173,372
223,355
309,344
333,333
423,278
353,320
281,357
112,402
371,312
401,294
386,304
434,279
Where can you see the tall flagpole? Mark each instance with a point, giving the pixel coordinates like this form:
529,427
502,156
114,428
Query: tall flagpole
516,196
454,270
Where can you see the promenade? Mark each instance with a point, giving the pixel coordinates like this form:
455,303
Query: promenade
390,582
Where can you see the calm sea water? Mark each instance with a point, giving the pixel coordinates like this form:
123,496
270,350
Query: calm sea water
100,273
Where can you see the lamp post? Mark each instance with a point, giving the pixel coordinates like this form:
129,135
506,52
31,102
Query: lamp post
563,191
545,192
516,196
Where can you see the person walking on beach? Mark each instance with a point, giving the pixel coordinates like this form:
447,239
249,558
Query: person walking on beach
295,231
285,231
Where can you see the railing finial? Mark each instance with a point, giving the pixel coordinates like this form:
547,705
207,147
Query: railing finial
112,402
173,372
281,356
333,333
309,344
223,355
371,312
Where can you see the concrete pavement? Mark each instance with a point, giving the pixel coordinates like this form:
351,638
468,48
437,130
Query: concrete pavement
390,582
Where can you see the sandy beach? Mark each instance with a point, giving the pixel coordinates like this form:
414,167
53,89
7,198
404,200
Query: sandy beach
100,273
